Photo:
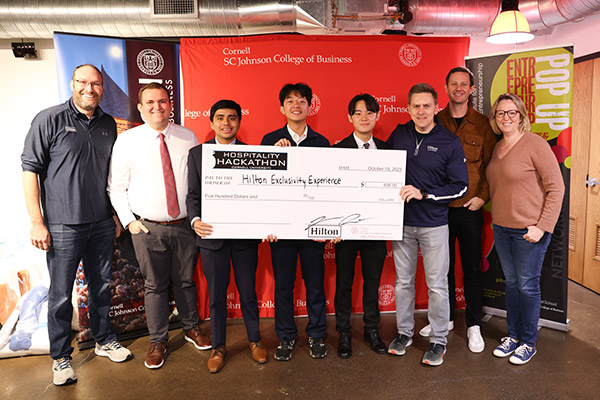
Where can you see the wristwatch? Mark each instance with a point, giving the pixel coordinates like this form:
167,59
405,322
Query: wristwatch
424,194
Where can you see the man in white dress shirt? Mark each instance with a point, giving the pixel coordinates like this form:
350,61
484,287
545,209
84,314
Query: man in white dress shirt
147,186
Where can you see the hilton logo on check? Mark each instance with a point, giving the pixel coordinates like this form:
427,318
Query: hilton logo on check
325,232
250,160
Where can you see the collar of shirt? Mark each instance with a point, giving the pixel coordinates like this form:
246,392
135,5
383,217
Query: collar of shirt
81,115
217,141
165,131
297,138
360,143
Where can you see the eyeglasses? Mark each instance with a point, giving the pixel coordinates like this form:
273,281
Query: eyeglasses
510,113
95,85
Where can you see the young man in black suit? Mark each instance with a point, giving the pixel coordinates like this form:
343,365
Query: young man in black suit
225,118
295,100
363,113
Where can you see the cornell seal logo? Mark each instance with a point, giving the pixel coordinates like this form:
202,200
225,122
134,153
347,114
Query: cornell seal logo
386,295
410,54
150,62
315,106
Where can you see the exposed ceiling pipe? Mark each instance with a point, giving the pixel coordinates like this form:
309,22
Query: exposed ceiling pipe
474,17
132,18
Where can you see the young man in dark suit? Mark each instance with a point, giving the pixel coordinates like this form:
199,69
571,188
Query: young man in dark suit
295,100
363,113
217,254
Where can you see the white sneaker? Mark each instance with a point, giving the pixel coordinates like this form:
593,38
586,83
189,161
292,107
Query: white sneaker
426,331
63,372
476,343
114,351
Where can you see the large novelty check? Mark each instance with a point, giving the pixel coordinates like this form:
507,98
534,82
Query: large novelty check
302,192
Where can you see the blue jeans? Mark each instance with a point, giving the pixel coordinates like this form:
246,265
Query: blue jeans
521,263
69,244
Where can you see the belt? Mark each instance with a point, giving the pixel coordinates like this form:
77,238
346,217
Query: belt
173,222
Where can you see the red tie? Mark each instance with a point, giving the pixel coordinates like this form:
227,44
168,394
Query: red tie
170,188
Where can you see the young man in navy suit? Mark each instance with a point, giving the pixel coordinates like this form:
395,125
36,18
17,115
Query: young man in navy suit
363,113
217,254
295,100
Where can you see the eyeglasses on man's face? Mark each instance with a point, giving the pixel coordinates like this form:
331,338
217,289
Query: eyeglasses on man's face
84,84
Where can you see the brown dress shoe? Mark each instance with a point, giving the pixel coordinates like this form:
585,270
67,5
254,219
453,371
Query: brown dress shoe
259,353
198,338
155,358
216,360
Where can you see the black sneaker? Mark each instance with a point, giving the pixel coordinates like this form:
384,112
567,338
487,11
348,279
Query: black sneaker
284,350
317,347
435,354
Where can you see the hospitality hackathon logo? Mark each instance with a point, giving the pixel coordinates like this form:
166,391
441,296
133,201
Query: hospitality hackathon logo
250,160
410,54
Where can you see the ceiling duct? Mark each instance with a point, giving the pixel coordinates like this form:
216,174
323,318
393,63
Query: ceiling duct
133,18
474,17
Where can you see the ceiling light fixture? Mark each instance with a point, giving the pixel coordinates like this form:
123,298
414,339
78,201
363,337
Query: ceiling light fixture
510,26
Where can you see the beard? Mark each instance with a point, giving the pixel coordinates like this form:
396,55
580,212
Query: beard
87,105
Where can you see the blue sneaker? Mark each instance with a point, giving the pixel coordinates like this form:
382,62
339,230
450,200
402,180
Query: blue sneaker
523,354
507,347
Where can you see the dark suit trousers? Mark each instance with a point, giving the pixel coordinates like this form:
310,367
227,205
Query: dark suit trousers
216,269
372,255
466,226
168,252
284,256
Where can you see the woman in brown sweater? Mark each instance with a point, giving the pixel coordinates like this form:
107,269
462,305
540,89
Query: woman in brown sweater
526,190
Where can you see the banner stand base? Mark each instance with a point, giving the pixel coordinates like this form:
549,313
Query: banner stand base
545,323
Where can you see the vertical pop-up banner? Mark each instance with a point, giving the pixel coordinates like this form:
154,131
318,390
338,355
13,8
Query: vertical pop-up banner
543,79
126,65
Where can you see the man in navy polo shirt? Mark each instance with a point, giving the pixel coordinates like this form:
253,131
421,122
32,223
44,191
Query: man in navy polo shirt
65,168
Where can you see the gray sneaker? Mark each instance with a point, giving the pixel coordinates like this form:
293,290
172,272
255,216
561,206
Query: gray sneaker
399,345
434,355
114,351
64,374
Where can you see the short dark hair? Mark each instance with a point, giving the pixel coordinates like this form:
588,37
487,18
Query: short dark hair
302,88
152,85
461,69
86,65
370,103
422,88
219,105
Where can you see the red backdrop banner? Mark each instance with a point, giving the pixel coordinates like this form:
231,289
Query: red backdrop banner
252,70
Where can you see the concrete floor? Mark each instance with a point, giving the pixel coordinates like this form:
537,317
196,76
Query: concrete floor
567,366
